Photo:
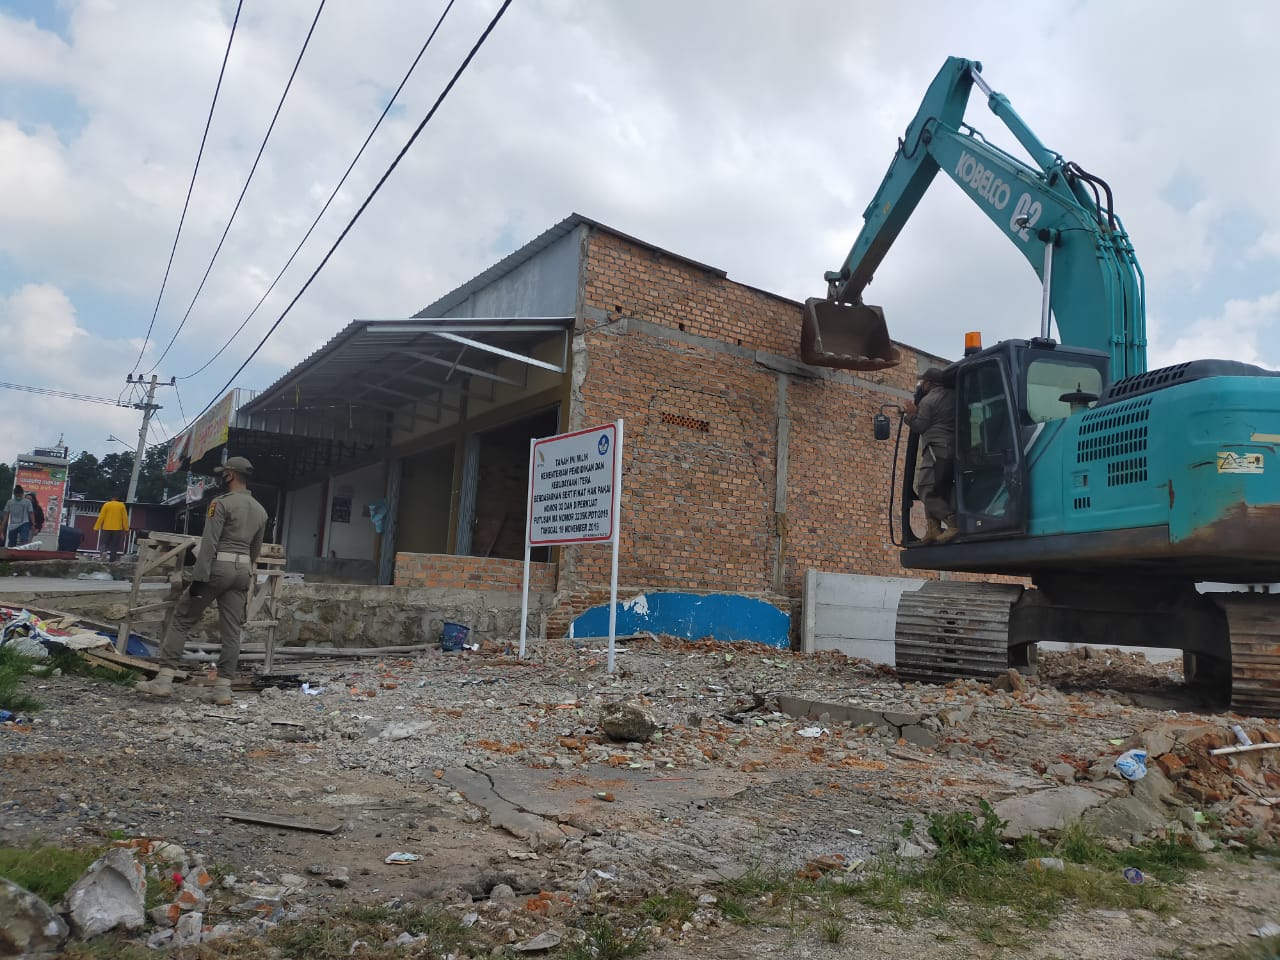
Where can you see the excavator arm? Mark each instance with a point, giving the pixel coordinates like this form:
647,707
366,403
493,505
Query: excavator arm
1059,216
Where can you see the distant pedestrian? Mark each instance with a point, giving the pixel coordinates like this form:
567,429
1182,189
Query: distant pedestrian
112,525
17,516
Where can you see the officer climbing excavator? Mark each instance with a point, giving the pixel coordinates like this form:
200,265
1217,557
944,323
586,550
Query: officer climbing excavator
1114,489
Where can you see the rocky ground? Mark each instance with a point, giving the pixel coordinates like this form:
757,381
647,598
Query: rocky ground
521,792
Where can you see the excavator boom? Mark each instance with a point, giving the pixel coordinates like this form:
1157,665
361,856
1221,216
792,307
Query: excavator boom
1058,215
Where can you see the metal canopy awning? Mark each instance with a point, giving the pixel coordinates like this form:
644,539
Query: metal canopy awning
378,372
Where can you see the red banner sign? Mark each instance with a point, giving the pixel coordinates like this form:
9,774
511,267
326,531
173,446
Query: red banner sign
49,483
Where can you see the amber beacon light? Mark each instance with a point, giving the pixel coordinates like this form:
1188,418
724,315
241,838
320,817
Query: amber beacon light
972,342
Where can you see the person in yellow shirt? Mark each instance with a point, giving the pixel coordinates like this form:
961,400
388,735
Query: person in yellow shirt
112,524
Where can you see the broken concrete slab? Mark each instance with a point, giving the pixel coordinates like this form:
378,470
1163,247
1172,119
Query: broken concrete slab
1045,810
478,788
28,926
899,723
801,708
110,894
920,736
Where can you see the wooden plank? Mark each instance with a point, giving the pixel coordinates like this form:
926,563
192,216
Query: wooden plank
102,662
152,607
287,823
133,663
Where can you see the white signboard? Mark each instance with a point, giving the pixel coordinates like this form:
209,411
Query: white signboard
571,480
575,492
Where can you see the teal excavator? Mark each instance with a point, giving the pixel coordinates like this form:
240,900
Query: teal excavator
1115,490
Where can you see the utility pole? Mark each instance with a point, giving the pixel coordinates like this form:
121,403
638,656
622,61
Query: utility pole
149,407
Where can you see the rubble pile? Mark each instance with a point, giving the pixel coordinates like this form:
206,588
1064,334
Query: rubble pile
514,790
1103,668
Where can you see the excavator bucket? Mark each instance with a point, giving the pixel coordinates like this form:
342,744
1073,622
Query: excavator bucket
846,336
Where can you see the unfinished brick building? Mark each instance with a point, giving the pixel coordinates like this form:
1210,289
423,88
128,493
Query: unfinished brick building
742,466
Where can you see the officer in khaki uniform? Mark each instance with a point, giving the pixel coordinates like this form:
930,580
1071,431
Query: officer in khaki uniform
225,562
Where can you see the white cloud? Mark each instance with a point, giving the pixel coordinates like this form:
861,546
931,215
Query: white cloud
1235,334
45,345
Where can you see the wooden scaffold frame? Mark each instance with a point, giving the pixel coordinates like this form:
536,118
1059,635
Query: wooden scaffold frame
163,555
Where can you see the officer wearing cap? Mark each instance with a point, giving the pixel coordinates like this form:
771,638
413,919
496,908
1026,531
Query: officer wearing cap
225,562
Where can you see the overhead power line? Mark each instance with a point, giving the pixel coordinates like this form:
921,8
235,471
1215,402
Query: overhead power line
186,203
314,223
67,395
369,199
243,190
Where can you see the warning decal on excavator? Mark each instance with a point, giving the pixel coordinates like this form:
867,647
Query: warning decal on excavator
1229,462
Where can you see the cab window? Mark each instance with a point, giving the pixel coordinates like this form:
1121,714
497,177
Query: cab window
1048,380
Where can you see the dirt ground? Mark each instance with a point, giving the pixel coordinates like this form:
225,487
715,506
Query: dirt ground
496,772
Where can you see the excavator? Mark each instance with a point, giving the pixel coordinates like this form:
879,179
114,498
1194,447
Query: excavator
1100,493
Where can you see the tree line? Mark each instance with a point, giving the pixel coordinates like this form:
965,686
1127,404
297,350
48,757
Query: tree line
101,479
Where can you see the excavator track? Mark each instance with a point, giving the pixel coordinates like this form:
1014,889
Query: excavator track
948,630
1254,620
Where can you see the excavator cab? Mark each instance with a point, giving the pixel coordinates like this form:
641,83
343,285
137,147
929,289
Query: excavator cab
847,336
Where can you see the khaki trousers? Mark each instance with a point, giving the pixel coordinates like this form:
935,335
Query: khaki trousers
229,585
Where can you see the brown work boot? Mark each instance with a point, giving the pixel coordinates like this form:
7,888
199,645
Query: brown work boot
951,531
161,686
221,693
933,530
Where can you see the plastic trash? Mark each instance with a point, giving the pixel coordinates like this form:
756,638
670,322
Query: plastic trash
6,716
452,637
401,857
1132,764
1134,875
813,732
1241,737
1044,864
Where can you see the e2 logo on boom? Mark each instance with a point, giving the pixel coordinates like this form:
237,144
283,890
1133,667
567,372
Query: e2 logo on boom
1028,209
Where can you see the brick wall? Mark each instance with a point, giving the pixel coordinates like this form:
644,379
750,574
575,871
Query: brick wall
471,573
699,468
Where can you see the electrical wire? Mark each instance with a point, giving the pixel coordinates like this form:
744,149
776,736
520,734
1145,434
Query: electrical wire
314,223
191,186
369,199
66,395
243,190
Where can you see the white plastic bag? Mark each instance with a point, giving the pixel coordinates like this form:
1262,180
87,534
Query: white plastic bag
1132,764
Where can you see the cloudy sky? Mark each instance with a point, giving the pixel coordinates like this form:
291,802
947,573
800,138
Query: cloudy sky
748,134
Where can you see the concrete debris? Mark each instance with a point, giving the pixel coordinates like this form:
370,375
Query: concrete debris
28,926
402,731
1046,810
547,940
189,930
110,894
627,722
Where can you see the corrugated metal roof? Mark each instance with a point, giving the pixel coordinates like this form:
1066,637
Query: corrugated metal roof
381,362
386,365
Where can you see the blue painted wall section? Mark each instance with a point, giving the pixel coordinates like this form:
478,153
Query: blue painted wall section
720,616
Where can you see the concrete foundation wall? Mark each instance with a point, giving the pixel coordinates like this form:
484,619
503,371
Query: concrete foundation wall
344,615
